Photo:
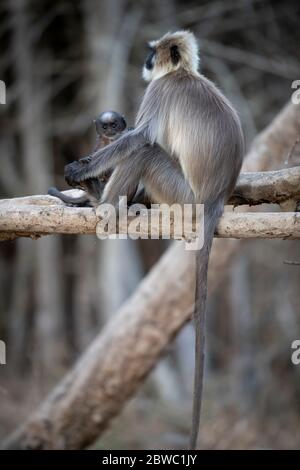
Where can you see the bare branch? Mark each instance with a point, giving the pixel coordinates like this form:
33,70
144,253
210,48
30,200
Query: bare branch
267,187
34,221
34,216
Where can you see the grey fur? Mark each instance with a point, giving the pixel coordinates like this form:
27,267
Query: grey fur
187,147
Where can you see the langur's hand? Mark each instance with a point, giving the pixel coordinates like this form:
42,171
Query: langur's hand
73,173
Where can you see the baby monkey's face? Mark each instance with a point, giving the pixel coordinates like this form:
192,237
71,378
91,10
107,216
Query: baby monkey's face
110,124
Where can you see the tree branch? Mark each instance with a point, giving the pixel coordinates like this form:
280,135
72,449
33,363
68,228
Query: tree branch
34,216
34,221
267,187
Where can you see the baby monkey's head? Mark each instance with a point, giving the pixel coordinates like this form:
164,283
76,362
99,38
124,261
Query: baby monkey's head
110,124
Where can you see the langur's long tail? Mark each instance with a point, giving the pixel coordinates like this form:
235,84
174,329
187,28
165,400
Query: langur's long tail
212,213
77,201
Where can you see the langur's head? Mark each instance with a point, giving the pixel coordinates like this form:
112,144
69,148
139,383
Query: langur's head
170,53
110,123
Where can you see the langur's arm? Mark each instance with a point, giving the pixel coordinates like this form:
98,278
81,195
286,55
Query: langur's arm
104,159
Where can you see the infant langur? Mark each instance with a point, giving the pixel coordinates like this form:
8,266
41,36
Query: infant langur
110,125
187,147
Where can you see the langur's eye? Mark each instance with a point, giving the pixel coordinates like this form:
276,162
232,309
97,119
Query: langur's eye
114,125
104,126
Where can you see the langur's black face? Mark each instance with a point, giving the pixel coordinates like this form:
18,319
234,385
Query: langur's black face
150,59
110,123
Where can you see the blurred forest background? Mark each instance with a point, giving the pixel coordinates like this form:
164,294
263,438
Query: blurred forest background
64,62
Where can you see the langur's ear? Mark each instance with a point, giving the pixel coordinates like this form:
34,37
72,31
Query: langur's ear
175,54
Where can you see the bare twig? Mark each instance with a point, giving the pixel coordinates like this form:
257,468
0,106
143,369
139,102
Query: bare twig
292,263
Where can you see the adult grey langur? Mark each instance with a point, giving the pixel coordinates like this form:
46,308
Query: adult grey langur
109,125
187,147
